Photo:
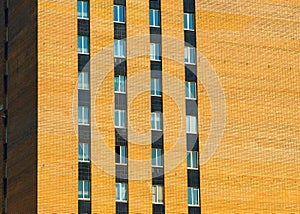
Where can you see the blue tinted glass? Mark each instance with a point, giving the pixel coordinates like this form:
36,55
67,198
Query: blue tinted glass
86,189
185,21
196,202
116,118
86,152
85,13
151,17
195,160
191,21
116,47
193,89
124,192
86,114
116,83
123,154
122,14
152,87
157,18
190,197
80,189
159,157
79,44
80,152
80,115
122,119
122,83
79,9
115,13
192,55
189,159
86,44
117,191
153,157
122,48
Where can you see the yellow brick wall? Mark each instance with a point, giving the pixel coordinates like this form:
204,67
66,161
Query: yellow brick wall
102,106
254,49
173,81
139,107
57,107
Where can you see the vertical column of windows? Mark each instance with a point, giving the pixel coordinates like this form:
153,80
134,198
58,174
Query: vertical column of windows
84,173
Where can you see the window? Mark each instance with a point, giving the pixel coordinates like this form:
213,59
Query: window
155,87
192,159
120,84
191,124
82,9
83,152
121,155
189,21
157,157
119,13
154,18
83,189
189,55
156,121
190,90
193,196
119,48
120,118
157,194
83,45
154,51
83,115
83,80
121,192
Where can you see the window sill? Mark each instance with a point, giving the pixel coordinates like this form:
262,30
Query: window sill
84,89
83,124
189,63
83,53
83,18
156,129
153,95
154,26
120,92
121,164
120,57
83,161
84,199
158,167
157,203
155,60
189,98
190,205
191,132
119,22
193,168
186,29
120,127
121,201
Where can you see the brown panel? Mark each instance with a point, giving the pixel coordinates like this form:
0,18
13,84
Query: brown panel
139,107
22,123
57,107
102,106
173,80
254,49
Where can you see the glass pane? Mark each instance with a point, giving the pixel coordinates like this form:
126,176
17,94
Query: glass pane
122,117
80,189
116,118
193,89
156,51
116,83
188,159
185,21
124,192
158,121
122,83
196,200
152,120
118,193
193,124
121,14
85,10
123,154
86,152
80,151
191,21
79,9
80,84
192,55
116,48
187,124
151,51
79,44
151,17
153,157
86,44
80,116
159,157
86,115
86,189
154,194
158,86
152,87
157,18
195,160
160,194
186,55
115,13
190,197
122,48
187,90
86,80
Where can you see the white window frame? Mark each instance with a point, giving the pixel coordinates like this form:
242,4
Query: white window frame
190,156
157,116
121,186
120,113
156,87
117,8
83,121
188,89
156,20
83,50
156,189
190,120
117,48
82,11
122,156
193,204
85,184
85,152
119,84
82,85
189,26
188,55
157,158
155,52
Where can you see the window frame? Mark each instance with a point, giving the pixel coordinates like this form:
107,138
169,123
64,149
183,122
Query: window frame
82,6
156,87
191,158
117,43
154,48
120,113
119,91
186,16
189,122
187,55
85,146
155,20
82,41
84,85
81,121
158,158
84,183
192,196
122,155
118,13
188,89
156,189
155,114
119,186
